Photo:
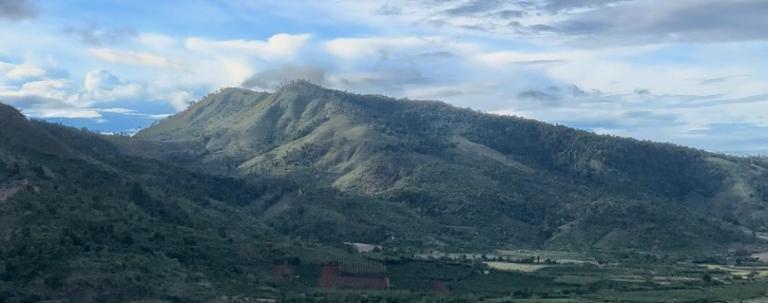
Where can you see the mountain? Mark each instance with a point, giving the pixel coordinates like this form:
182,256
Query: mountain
492,181
252,195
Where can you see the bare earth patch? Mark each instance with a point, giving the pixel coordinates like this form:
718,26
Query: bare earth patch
506,266
11,190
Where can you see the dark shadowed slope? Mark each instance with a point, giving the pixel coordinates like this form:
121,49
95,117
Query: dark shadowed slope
77,217
80,220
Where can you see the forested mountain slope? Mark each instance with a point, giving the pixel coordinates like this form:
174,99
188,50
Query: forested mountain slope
81,220
77,217
524,182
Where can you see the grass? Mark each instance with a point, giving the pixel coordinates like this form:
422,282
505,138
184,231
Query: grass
561,257
505,282
726,293
578,280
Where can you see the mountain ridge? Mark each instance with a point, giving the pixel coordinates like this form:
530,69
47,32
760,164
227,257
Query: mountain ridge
458,165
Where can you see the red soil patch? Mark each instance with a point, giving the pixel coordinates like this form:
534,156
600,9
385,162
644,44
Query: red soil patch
331,277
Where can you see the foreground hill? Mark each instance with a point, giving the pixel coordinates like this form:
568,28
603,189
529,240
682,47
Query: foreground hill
83,221
77,218
492,180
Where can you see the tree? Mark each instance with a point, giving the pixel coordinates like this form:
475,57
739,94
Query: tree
138,195
16,170
127,240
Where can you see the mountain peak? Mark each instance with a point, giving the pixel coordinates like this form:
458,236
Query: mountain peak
9,113
301,85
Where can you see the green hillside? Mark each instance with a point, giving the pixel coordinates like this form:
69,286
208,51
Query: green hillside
77,217
82,221
512,181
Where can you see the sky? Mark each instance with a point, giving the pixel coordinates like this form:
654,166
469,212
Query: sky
689,72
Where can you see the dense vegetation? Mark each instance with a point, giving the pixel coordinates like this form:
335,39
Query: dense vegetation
80,220
89,225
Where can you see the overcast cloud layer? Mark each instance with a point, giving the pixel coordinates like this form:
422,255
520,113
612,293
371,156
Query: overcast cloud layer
691,72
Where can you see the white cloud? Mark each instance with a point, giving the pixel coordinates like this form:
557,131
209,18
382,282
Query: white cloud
103,86
356,48
501,58
449,91
20,72
71,113
157,41
129,57
279,46
61,98
208,64
620,76
180,99
375,47
49,88
99,80
117,110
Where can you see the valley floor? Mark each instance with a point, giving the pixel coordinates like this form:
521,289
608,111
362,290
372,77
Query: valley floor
518,276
